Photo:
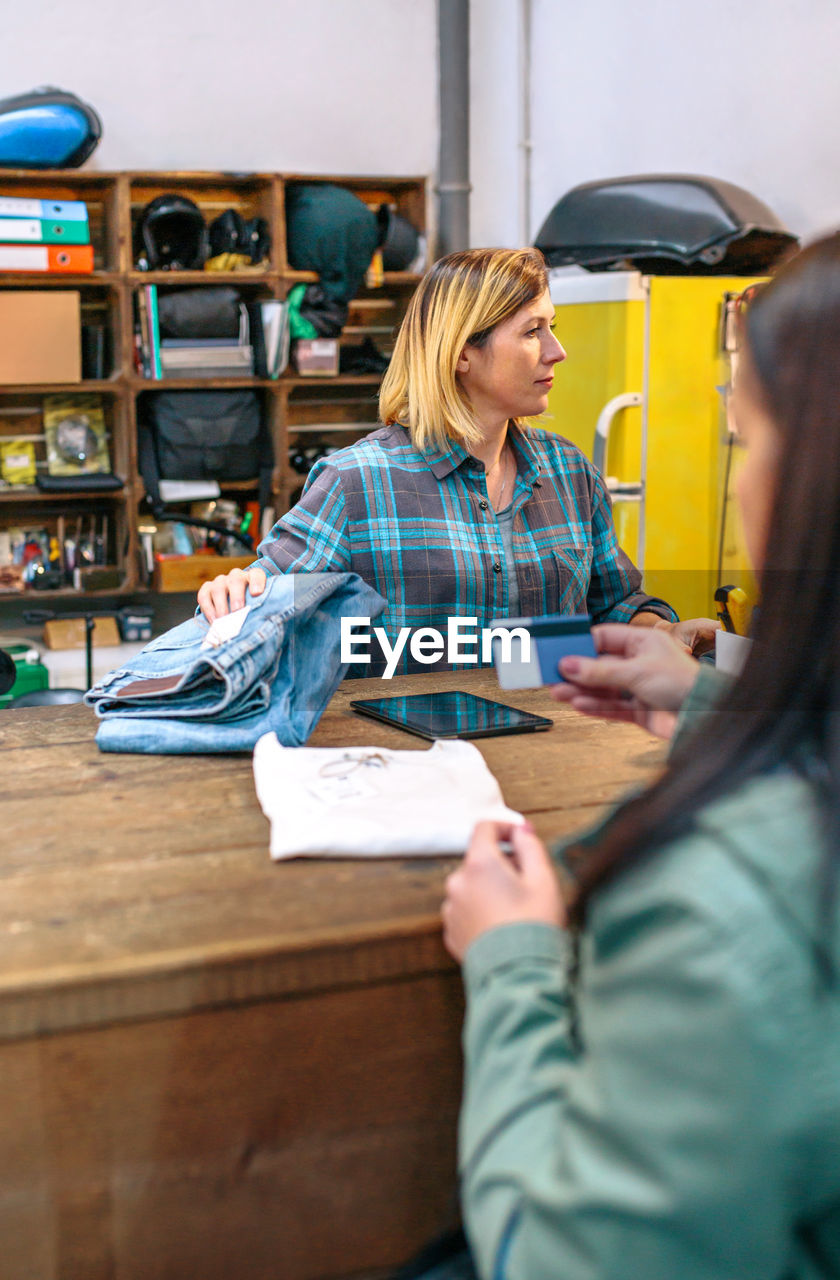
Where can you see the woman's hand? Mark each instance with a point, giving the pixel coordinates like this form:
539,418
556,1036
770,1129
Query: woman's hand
697,634
641,674
226,593
491,887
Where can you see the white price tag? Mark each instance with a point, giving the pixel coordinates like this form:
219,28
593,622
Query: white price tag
225,628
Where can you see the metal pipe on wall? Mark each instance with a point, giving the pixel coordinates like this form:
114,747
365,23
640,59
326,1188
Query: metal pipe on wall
454,155
526,142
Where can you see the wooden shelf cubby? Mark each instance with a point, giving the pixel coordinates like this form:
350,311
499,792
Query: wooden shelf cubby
290,403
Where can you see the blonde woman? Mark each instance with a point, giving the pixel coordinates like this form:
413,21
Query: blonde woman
456,507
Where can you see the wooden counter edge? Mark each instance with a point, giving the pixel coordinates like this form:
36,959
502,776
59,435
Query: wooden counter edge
175,983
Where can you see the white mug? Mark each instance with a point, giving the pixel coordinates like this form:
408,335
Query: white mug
731,652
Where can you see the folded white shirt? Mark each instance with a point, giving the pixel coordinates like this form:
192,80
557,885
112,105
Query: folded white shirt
357,802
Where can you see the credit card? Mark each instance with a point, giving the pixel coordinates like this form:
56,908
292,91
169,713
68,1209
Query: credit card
521,665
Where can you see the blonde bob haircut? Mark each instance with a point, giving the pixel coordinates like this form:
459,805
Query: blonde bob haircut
458,303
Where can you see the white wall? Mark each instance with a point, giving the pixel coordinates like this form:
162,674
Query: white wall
344,86
496,213
746,90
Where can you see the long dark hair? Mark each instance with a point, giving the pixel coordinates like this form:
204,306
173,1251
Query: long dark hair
785,707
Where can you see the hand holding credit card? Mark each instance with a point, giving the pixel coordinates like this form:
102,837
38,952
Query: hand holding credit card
641,674
528,656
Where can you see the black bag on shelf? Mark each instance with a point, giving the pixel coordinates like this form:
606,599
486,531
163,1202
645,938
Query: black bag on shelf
206,435
203,435
200,313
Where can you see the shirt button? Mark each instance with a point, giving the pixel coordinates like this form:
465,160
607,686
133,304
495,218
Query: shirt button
483,504
497,568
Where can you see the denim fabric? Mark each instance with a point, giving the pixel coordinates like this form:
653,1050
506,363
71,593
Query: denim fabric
277,675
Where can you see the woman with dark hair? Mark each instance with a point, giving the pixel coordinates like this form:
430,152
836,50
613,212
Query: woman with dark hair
652,1080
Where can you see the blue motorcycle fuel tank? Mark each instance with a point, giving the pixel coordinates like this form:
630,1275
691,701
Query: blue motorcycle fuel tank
47,129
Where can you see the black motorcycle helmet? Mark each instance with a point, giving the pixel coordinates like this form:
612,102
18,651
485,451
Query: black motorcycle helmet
398,239
230,233
171,235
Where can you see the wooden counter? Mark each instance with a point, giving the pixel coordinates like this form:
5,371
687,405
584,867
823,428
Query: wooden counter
213,1065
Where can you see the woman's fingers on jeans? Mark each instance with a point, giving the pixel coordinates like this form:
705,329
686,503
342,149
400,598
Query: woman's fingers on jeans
237,583
226,593
242,580
205,601
223,595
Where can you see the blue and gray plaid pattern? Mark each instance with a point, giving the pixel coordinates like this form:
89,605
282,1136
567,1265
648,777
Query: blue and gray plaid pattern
419,528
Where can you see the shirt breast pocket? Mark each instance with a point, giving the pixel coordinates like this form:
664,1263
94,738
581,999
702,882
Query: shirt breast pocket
572,569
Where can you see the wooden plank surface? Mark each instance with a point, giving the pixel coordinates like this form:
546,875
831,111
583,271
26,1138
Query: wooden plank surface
301,1139
214,1065
131,873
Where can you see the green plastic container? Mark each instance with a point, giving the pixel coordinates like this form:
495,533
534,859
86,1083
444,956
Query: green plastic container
30,675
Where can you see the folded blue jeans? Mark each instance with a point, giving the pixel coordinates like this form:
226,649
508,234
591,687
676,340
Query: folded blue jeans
277,674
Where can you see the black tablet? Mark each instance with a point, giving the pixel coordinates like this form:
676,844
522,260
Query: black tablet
450,715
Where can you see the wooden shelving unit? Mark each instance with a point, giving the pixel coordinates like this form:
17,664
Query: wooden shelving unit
334,410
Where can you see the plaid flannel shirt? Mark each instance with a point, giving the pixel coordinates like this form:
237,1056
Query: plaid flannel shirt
420,529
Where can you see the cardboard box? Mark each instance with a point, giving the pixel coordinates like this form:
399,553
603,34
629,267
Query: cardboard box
187,573
71,633
317,357
40,336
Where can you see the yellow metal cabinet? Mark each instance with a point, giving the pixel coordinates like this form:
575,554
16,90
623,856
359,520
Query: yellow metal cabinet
644,376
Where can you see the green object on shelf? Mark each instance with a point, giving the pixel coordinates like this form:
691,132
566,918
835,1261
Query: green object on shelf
30,675
299,326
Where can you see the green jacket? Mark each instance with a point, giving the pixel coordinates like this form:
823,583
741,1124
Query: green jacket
674,1113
